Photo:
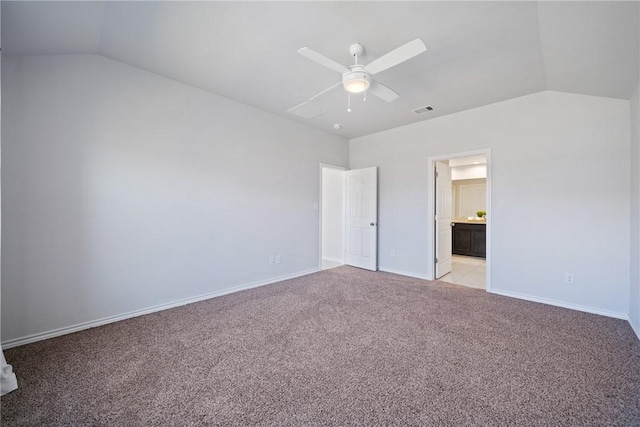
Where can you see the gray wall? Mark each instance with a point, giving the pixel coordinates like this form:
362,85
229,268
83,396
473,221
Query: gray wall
634,291
123,190
559,194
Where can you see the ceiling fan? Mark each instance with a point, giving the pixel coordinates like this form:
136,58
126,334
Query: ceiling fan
357,77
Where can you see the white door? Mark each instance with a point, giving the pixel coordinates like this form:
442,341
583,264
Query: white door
362,218
443,220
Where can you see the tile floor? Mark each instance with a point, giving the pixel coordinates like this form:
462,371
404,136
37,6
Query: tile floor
467,271
327,264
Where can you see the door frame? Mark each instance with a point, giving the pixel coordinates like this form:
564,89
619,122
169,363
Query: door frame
343,169
431,205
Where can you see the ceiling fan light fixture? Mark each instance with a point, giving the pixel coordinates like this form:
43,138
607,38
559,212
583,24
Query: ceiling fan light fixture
356,85
356,81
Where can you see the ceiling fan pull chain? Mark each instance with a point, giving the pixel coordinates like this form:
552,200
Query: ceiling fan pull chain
348,102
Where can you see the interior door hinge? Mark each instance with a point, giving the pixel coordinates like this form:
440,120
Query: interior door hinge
436,174
436,260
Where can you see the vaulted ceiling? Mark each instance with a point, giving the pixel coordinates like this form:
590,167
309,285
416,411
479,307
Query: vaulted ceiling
477,52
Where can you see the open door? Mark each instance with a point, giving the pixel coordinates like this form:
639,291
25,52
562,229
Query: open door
362,218
443,220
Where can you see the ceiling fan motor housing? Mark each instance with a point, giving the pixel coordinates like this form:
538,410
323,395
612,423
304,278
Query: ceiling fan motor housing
357,80
356,49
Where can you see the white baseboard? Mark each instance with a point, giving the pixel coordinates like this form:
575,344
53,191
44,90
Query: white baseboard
607,313
111,319
635,325
404,273
341,261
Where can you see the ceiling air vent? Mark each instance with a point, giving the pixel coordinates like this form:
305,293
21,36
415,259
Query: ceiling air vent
423,109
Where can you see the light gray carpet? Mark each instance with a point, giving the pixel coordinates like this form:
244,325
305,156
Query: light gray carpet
339,347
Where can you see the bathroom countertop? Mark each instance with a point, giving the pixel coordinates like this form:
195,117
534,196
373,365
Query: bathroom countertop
469,221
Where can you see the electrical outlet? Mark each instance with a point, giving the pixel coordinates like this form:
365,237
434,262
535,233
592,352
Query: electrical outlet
272,260
569,278
392,252
277,259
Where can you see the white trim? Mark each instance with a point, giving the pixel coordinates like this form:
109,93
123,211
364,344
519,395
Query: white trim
341,261
548,301
111,319
635,325
431,209
344,169
404,273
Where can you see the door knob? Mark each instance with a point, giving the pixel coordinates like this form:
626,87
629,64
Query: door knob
372,224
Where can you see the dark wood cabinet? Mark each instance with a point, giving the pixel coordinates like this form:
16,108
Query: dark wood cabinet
469,239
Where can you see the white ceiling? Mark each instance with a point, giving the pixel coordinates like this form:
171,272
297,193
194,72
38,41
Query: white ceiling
478,52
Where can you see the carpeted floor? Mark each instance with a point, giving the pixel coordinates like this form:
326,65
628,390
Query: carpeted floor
339,347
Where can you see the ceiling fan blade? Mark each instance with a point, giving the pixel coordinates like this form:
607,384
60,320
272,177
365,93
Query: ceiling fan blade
322,60
308,110
382,92
397,56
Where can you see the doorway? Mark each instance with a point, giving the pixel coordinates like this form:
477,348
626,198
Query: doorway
332,216
459,218
348,217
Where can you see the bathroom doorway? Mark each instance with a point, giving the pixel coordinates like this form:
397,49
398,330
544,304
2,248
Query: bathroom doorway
460,221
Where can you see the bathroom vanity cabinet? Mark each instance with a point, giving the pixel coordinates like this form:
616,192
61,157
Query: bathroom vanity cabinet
469,239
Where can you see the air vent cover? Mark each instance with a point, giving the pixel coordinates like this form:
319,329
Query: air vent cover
423,109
